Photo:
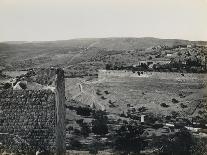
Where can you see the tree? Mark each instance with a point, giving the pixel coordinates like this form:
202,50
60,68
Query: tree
108,66
128,138
99,124
180,143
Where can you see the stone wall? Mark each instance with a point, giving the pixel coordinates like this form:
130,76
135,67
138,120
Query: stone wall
27,120
104,74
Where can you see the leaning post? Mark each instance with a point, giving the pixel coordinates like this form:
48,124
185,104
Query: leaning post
60,113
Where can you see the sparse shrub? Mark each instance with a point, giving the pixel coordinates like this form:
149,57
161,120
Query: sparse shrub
103,98
83,111
7,85
133,110
23,85
70,128
174,100
123,114
142,109
98,93
108,66
174,114
168,117
79,121
164,105
111,104
106,92
183,105
181,95
138,73
150,58
128,105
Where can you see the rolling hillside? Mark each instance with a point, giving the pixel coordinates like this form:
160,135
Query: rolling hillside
76,52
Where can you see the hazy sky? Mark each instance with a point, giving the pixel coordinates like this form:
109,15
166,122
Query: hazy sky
35,20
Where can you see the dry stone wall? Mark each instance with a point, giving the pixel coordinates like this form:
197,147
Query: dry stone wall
27,119
104,74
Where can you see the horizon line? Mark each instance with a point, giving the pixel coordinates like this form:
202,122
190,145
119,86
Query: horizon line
82,38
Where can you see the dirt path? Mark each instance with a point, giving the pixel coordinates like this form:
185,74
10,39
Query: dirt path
89,94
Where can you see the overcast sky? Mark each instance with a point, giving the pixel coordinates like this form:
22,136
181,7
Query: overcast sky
35,20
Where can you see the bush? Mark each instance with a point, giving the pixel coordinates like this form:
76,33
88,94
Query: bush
75,144
111,104
164,105
183,105
85,130
23,85
79,121
7,85
122,114
103,98
181,95
175,100
179,143
106,92
174,114
142,109
98,93
83,111
128,105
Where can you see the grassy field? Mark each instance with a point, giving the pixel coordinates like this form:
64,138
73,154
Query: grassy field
126,99
128,93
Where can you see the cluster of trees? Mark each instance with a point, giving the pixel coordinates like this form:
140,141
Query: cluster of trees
142,67
99,124
128,138
176,65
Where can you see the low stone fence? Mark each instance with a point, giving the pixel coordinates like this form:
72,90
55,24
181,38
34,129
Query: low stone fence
161,75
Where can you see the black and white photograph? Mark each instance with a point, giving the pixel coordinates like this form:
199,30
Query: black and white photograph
103,77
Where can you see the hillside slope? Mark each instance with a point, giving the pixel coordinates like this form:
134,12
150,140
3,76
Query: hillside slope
64,53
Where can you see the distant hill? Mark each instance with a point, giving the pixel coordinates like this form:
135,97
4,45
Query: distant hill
23,55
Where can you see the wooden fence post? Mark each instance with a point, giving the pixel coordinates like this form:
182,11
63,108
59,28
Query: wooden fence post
60,113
